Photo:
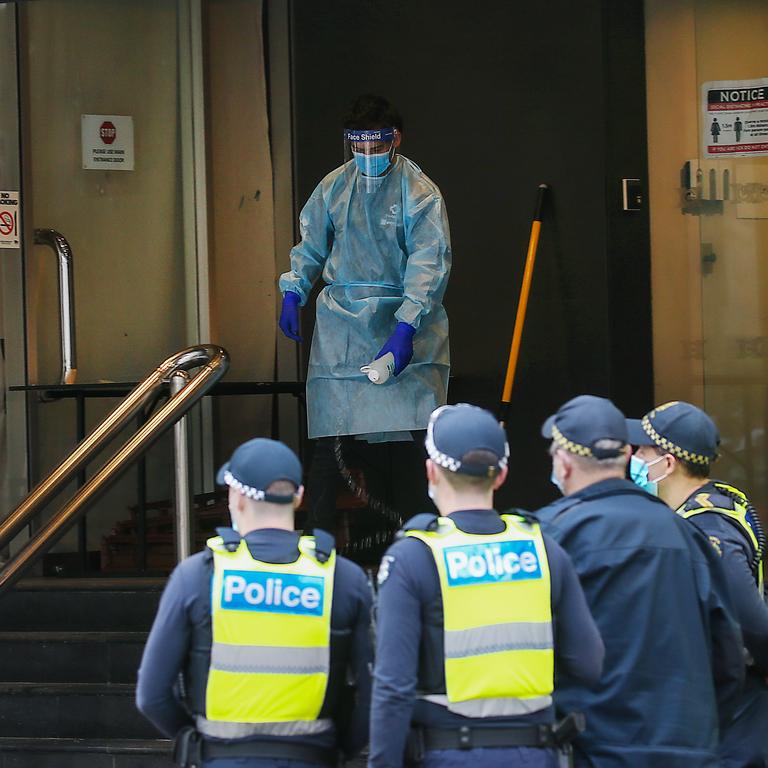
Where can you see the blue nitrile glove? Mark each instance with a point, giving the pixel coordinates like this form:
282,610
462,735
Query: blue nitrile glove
289,315
400,344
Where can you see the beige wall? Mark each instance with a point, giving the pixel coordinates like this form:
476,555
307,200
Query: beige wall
103,57
242,236
126,227
673,139
710,323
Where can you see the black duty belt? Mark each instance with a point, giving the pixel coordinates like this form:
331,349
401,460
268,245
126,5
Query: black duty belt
271,750
190,750
471,738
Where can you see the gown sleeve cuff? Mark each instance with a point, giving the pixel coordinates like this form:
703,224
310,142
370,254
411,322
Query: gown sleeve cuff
409,312
290,281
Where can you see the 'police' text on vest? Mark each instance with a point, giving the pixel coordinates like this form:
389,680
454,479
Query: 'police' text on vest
492,562
272,593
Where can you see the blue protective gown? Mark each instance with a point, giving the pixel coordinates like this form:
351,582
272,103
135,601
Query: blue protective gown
385,257
672,645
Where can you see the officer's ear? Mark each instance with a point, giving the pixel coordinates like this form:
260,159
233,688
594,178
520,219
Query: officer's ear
235,499
565,461
297,497
501,478
432,473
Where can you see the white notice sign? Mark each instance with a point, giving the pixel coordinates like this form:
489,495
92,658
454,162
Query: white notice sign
10,220
735,118
107,142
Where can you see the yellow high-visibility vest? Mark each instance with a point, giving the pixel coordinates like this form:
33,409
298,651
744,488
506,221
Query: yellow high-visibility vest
733,509
499,657
270,656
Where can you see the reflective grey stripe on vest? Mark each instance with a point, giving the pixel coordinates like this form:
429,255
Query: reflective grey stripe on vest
265,659
225,730
495,638
491,707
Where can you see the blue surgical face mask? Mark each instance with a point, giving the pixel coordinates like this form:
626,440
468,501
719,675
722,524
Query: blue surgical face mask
372,165
553,479
638,471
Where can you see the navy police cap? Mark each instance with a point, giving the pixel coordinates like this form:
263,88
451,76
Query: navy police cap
255,465
588,426
678,428
455,432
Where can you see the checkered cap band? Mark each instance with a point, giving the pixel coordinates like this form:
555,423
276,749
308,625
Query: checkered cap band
561,441
670,447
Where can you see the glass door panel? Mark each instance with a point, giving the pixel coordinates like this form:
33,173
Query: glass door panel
732,182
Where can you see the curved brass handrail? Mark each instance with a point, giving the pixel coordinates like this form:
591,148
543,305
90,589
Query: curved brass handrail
213,363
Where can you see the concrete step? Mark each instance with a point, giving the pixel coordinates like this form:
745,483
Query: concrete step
72,711
70,657
81,605
18,752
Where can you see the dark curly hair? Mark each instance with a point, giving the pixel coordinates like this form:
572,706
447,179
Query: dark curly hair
371,111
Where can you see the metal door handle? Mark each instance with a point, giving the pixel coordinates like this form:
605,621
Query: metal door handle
59,245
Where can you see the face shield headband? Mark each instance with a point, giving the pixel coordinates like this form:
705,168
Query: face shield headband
373,150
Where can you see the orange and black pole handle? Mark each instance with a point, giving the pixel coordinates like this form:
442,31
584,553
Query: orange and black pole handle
522,305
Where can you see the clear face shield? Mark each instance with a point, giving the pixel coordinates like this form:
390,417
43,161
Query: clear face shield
373,152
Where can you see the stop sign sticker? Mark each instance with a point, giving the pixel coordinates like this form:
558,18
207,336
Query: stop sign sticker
107,142
108,132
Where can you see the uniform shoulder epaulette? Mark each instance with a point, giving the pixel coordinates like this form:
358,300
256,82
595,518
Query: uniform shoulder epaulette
529,517
230,538
325,543
707,500
424,521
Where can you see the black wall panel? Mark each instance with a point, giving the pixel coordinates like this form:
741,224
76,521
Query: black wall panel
497,97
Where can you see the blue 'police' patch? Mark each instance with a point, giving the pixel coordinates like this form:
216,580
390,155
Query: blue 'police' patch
272,593
491,563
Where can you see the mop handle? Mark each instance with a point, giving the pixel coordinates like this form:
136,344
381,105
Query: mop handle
522,305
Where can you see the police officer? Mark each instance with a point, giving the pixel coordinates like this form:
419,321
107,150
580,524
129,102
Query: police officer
475,611
672,649
677,444
266,628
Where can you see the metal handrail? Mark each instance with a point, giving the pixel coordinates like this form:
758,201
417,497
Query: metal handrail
59,245
213,362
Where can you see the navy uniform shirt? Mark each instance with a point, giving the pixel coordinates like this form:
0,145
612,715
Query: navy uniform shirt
672,645
181,639
408,586
744,741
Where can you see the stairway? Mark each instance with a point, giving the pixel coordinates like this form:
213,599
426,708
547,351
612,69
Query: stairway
69,653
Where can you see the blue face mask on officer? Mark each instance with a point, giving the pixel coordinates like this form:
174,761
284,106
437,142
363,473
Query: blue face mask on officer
638,471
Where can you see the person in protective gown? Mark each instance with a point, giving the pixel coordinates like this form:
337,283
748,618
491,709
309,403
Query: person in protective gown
376,230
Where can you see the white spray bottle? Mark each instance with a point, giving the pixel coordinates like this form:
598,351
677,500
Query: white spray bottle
380,369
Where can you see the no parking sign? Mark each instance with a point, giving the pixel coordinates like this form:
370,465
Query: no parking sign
10,219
